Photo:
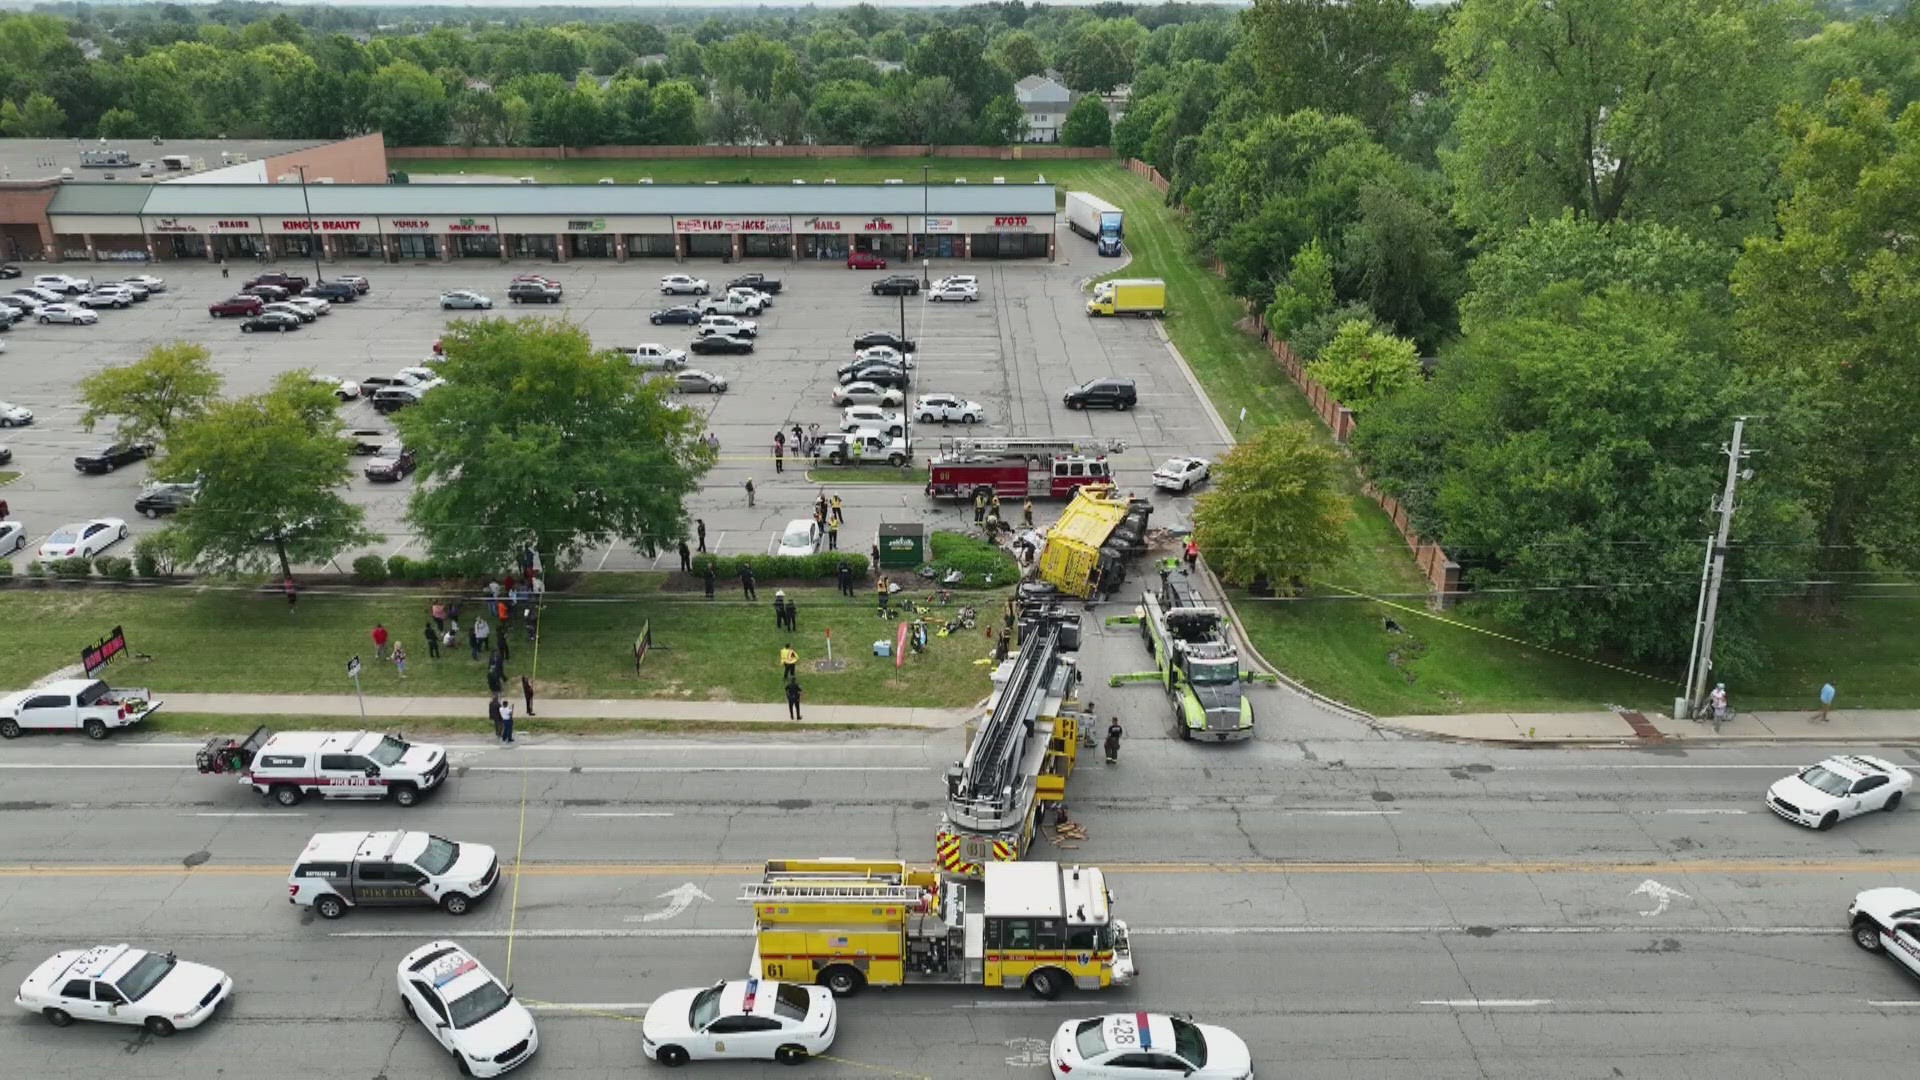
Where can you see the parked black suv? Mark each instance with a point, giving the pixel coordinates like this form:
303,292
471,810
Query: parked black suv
897,284
334,291
874,371
533,292
1102,393
165,499
108,458
884,337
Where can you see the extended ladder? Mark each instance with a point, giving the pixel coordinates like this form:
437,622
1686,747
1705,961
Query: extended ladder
850,892
958,446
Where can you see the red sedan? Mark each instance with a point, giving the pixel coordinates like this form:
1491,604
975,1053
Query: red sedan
865,260
236,305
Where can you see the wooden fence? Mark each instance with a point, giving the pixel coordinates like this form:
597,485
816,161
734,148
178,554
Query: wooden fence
1149,173
673,153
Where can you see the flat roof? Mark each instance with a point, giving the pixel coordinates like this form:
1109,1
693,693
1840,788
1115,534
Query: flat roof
574,200
1022,890
42,159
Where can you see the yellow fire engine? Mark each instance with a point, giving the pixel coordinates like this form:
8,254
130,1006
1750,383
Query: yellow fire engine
847,924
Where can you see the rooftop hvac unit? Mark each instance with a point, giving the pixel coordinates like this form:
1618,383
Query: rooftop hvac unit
606,180
797,180
999,179
324,180
287,178
644,180
961,180
828,180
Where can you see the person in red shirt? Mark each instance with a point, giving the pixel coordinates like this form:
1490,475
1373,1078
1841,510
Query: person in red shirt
379,641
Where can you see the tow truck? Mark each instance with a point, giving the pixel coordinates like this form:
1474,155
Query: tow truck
1019,468
1196,663
851,923
1018,759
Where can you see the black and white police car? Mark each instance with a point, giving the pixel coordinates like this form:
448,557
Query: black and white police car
344,870
466,1009
1888,920
1843,786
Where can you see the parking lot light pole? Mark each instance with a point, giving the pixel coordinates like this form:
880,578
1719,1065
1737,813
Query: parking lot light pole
906,400
926,233
313,233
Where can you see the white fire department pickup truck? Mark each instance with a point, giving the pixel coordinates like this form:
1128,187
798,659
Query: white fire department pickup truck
87,705
290,765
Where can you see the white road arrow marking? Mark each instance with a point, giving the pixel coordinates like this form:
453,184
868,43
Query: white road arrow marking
678,900
1662,895
1027,1053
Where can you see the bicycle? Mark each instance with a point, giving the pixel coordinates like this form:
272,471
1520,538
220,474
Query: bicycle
1705,712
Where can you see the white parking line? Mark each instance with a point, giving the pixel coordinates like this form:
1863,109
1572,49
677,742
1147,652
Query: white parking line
1894,1004
1702,810
1492,1003
586,1006
608,555
244,813
1029,1003
1342,813
560,935
687,768
636,813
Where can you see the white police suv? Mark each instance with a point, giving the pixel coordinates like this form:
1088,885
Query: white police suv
466,1009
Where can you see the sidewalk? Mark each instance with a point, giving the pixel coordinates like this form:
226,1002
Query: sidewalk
1877,726
558,708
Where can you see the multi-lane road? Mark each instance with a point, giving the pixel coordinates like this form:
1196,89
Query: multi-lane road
1354,907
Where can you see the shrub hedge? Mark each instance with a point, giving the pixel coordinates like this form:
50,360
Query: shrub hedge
114,567
370,568
822,567
76,567
980,563
6,568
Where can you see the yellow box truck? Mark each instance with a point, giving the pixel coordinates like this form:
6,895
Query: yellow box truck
1145,297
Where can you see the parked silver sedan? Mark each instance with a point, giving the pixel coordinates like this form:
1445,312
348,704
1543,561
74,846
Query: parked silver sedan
464,298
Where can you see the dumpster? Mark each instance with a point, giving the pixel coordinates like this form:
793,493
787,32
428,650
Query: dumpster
903,546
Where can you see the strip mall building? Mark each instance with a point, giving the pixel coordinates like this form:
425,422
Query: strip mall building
209,216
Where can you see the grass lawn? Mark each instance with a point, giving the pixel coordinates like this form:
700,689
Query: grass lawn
867,474
229,641
8,476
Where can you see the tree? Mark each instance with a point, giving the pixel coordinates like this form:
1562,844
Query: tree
934,113
890,44
271,469
1276,512
1306,293
538,441
119,124
1617,109
153,395
729,118
1086,123
1828,314
1593,257
1566,457
40,118
1362,367
1019,52
1003,122
676,114
960,54
1360,58
1098,55
1403,258
409,105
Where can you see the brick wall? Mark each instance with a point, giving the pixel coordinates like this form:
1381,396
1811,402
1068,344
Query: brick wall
23,218
361,160
673,153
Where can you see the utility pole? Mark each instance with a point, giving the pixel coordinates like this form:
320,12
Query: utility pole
1700,663
314,240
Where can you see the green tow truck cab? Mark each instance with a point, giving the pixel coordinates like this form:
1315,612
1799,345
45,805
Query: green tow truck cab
1198,665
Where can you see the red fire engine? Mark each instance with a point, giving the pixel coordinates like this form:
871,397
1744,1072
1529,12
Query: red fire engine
1019,467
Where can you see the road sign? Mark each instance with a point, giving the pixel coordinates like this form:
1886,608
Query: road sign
353,668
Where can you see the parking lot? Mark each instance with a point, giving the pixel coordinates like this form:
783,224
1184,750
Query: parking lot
1015,351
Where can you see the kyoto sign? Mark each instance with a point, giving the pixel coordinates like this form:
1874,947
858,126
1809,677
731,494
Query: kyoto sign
732,225
1010,223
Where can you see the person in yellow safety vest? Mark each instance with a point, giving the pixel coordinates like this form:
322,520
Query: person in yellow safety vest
837,515
979,507
857,450
788,660
1026,514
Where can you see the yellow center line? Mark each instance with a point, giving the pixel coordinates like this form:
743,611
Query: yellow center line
1116,869
519,852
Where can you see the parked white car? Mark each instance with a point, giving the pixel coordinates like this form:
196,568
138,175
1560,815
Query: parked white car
88,705
13,537
721,323
466,1009
72,314
799,539
63,284
968,280
883,354
151,283
12,415
119,984
854,417
946,408
1843,786
676,284
100,296
83,539
311,304
765,298
865,393
742,1019
464,298
954,291
1181,473
1121,1046
653,355
733,304
344,389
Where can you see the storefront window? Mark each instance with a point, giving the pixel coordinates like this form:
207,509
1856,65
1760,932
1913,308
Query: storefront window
649,245
188,247
357,247
242,246
416,247
481,246
1009,246
533,246
710,245
300,247
823,246
591,246
761,246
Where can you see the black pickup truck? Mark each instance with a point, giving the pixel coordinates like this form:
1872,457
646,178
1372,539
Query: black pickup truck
761,282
